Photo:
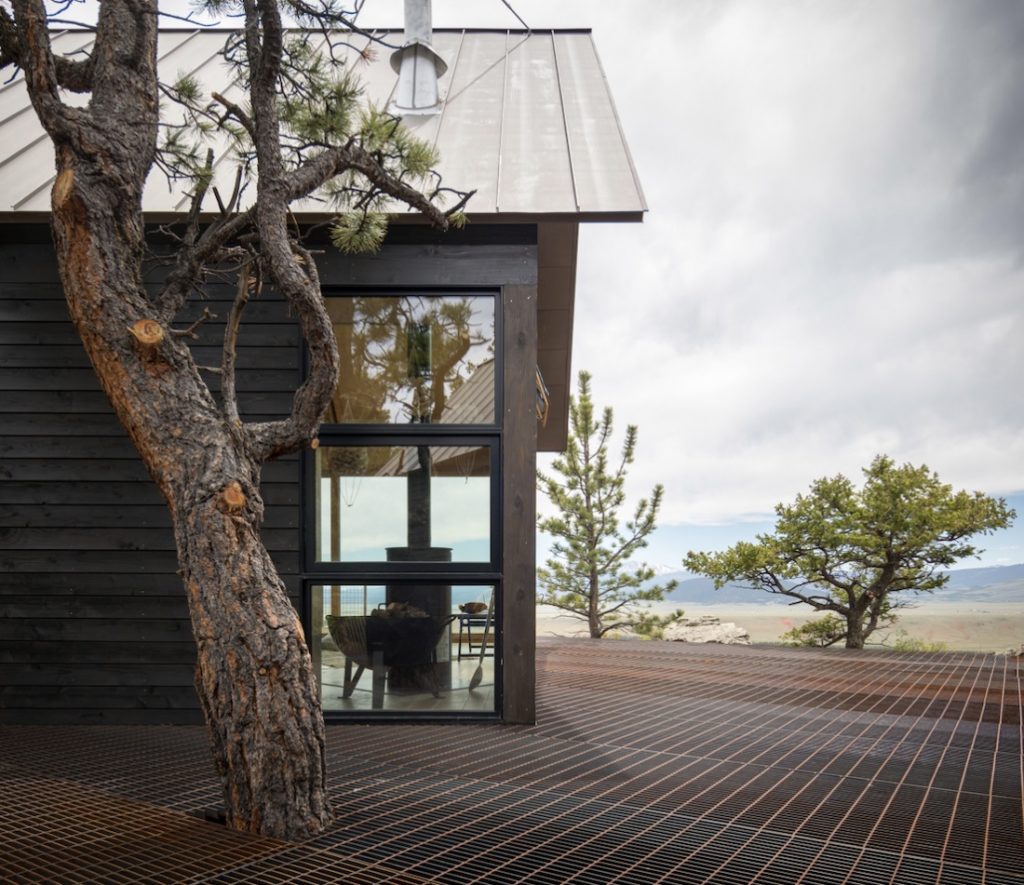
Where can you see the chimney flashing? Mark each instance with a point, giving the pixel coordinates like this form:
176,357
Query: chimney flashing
440,65
418,65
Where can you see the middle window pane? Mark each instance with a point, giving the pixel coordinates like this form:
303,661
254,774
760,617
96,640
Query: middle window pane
417,503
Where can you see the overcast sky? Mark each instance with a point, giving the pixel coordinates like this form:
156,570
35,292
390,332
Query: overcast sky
831,266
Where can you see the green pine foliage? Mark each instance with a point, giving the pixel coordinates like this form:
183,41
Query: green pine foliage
818,633
904,642
320,106
356,232
587,576
860,553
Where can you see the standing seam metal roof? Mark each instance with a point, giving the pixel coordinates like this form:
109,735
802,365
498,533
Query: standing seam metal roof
527,119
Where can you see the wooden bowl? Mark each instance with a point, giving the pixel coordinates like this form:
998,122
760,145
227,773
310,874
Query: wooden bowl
473,608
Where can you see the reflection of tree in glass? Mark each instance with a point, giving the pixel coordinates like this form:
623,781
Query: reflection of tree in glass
427,372
360,396
402,358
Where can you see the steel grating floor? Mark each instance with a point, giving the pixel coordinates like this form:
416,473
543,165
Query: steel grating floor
651,762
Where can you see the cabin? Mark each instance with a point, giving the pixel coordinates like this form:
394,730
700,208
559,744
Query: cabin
407,537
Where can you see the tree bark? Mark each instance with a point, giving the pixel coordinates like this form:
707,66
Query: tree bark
593,606
254,675
855,635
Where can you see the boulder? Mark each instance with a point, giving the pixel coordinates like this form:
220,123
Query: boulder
706,628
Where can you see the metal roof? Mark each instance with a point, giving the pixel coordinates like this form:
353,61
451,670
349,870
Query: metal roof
527,120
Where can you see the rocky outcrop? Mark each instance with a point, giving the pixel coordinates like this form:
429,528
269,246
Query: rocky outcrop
706,628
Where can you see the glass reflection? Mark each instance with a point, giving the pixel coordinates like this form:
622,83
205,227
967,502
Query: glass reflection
413,359
403,503
405,647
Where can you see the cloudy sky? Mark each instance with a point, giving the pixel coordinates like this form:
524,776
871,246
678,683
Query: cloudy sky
831,266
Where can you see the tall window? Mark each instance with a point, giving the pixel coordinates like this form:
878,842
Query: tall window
403,539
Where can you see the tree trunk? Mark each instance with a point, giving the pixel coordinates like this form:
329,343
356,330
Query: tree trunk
254,676
855,635
593,611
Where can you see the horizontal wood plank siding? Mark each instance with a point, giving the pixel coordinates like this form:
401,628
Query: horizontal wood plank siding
93,621
94,624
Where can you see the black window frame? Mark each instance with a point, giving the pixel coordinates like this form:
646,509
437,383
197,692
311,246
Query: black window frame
427,291
316,573
314,567
421,715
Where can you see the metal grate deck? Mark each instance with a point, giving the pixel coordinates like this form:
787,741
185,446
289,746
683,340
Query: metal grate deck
651,762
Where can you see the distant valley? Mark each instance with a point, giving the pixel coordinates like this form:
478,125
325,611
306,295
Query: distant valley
992,584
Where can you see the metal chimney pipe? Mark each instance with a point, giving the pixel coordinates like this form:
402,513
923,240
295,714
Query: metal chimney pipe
417,64
418,20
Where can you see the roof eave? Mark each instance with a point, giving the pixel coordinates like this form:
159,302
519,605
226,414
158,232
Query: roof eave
625,216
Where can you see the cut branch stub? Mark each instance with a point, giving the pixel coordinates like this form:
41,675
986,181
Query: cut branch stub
149,333
233,496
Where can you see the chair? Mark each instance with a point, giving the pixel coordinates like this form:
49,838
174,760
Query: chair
381,643
349,634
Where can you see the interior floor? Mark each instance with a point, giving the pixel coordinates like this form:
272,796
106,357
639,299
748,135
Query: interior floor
457,696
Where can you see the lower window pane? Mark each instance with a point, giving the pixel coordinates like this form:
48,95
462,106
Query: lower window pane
407,646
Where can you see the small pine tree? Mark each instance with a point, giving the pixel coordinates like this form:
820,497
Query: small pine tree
588,575
816,633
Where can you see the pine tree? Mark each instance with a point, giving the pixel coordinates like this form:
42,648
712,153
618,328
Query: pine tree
301,131
859,554
590,575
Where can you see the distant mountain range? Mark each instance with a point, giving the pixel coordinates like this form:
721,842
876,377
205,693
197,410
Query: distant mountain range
1004,583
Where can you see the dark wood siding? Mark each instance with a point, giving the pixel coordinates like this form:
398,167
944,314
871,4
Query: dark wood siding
93,621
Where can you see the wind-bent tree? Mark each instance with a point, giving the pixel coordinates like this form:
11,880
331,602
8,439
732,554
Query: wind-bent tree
589,574
859,553
299,132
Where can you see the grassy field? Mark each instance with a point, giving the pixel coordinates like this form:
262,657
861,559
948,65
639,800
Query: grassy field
994,626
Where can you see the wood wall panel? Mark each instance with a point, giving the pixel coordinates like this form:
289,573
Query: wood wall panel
93,621
519,507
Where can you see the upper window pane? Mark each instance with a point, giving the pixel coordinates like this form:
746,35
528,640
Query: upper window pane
414,359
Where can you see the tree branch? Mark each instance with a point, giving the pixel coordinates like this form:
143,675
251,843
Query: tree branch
190,331
75,75
227,383
336,160
233,110
36,59
301,284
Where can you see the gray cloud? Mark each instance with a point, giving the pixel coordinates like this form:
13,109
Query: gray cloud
831,265
832,262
